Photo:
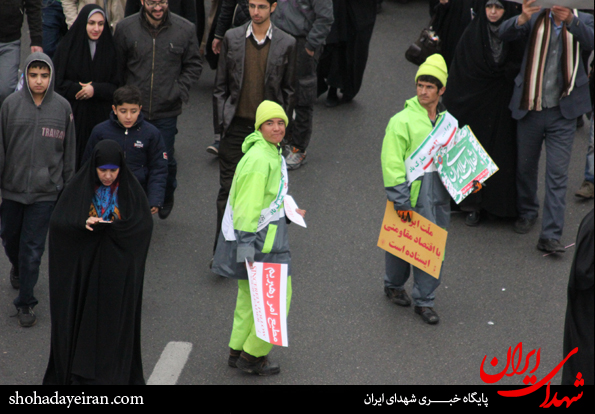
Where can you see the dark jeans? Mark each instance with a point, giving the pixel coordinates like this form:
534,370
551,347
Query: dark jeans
54,26
230,154
23,230
169,128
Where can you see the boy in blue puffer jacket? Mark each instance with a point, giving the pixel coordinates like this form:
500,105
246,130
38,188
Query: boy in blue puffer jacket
142,143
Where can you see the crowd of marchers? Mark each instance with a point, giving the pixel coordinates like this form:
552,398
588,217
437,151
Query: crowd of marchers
87,145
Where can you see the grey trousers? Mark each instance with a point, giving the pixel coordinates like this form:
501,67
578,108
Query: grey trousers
10,58
306,84
397,272
557,132
433,203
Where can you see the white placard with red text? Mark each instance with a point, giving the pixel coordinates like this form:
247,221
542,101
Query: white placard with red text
268,290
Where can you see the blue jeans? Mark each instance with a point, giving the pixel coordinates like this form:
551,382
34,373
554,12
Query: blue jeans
23,230
589,164
54,26
10,58
168,129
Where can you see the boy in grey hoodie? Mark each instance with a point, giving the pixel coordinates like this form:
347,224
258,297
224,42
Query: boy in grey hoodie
37,155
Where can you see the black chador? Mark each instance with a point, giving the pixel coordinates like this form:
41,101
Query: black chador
578,328
345,55
79,60
480,86
96,279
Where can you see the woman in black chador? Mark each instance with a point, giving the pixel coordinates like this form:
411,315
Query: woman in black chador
99,237
86,72
480,86
451,19
345,54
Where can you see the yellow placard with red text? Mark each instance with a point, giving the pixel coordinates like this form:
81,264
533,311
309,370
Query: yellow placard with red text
420,242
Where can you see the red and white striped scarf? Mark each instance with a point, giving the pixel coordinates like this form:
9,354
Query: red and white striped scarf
538,51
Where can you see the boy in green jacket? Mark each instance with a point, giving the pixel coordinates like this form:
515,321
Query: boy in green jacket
426,195
254,228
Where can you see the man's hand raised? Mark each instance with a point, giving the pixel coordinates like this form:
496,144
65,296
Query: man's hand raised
529,9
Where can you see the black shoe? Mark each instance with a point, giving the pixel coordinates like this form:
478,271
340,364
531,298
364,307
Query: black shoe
26,317
15,280
233,357
472,219
398,297
345,99
523,225
427,314
580,122
165,211
213,148
332,99
550,246
258,366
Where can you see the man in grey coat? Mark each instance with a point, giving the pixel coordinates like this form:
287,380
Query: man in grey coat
159,54
309,22
37,154
551,92
256,64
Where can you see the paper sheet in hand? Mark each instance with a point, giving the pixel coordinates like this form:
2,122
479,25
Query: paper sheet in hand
268,291
420,242
291,213
420,161
571,4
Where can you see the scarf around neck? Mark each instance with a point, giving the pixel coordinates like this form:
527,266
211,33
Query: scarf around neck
105,202
536,61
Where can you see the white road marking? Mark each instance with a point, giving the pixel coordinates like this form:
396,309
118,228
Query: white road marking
170,364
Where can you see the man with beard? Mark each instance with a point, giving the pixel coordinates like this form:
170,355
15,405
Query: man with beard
159,54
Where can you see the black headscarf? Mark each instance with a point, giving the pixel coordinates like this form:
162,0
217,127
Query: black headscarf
478,94
96,281
73,64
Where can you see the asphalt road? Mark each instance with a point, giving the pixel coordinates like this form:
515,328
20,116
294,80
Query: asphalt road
498,289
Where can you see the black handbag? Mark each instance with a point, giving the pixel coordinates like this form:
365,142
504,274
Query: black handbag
426,45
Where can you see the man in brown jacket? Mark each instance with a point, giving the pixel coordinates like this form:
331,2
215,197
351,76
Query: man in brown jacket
256,64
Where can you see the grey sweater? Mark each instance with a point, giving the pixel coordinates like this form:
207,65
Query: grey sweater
37,143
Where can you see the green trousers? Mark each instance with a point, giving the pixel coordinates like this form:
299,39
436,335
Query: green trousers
243,334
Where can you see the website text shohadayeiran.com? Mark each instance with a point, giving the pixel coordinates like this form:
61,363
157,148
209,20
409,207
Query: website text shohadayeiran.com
68,400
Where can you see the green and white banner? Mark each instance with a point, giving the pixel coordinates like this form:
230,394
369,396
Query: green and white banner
462,162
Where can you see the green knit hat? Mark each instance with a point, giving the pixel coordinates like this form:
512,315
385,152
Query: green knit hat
434,66
269,110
